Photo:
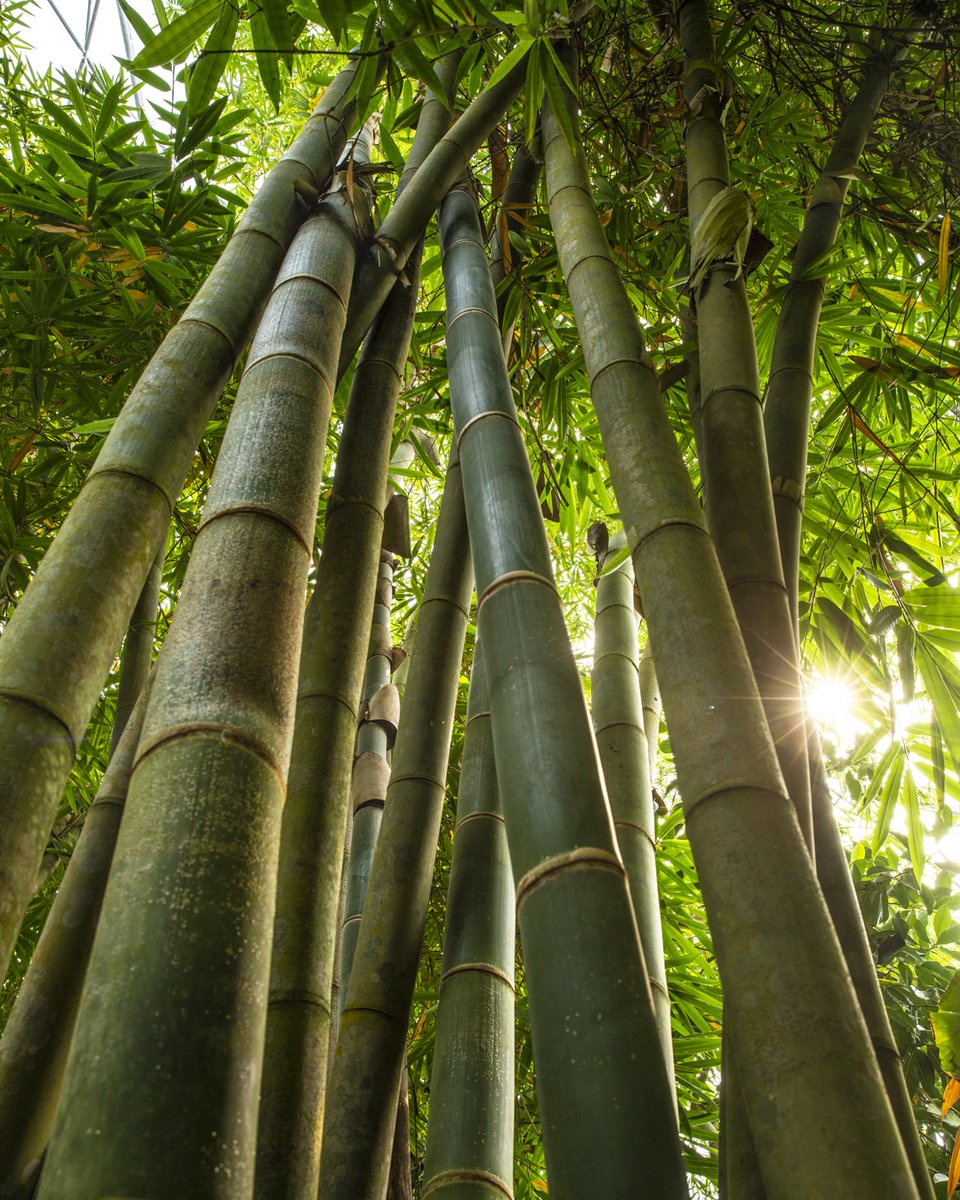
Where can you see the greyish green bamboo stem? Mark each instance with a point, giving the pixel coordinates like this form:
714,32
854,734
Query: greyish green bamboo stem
406,222
361,1113
600,1072
59,643
469,1148
138,648
790,386
785,982
736,478
624,757
36,1038
371,775
336,635
515,208
170,1031
833,871
651,706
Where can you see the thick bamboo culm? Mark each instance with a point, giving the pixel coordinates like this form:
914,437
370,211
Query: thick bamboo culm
371,773
58,645
406,222
624,757
364,1085
469,1146
785,983
36,1037
138,648
600,1073
173,1038
737,498
336,634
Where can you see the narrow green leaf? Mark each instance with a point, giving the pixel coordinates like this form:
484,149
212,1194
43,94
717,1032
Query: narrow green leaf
888,799
184,31
333,14
533,90
938,606
939,765
941,697
946,1027
139,25
880,774
267,61
213,60
415,63
911,803
556,95
516,56
278,22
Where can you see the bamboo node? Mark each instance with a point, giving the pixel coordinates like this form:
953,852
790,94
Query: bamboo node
483,968
789,489
475,1174
490,412
583,858
509,577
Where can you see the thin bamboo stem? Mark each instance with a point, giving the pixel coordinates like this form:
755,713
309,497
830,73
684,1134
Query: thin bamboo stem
59,643
138,648
361,1113
785,983
172,1038
515,208
600,1071
470,1135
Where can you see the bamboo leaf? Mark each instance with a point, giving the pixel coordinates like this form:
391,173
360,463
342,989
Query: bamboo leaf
278,22
141,27
939,605
267,62
939,765
951,1094
911,803
888,798
183,32
943,256
953,1176
513,59
946,1027
213,59
555,94
941,697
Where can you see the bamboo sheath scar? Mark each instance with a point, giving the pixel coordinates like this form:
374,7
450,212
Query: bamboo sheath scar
361,1112
469,1148
336,634
171,1024
605,1100
58,646
622,742
786,986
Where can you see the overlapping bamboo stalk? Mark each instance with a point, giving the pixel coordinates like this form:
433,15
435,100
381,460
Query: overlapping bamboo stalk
171,1024
785,982
608,1122
361,1112
58,645
470,1136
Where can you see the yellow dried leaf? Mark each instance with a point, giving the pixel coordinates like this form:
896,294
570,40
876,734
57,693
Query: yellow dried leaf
951,1094
539,1185
605,217
954,1176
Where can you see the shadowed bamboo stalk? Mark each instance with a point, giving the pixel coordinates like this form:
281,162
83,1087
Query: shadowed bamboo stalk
170,1031
406,222
785,983
336,635
600,1072
361,1112
36,1038
470,1136
60,641
624,757
514,216
651,707
736,478
138,648
790,386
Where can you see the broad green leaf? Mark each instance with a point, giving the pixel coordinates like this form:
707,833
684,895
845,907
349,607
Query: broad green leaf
938,605
941,697
946,1027
172,43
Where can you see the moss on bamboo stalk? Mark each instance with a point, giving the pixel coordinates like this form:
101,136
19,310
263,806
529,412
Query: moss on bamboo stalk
172,1039
600,1072
60,641
785,983
470,1135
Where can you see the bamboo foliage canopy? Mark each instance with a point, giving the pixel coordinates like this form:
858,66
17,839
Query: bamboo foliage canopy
121,185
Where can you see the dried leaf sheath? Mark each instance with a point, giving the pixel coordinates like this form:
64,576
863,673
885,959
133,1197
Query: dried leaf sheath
784,980
174,1036
600,1072
58,646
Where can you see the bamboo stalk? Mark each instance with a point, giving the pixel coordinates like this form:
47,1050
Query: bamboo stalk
59,643
517,203
737,494
600,1071
651,706
790,386
336,634
624,756
469,1146
36,1038
172,1039
138,648
785,983
406,222
361,1113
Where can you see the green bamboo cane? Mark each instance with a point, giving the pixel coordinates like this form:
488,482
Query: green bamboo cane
608,1122
737,494
505,256
469,1148
336,634
624,757
651,706
138,648
59,643
36,1038
406,222
790,386
785,983
160,1093
361,1113
371,774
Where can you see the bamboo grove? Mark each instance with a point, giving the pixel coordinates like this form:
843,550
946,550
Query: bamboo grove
433,516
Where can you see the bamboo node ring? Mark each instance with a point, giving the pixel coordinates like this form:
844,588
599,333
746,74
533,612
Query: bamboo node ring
483,968
582,858
488,412
475,1174
509,577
